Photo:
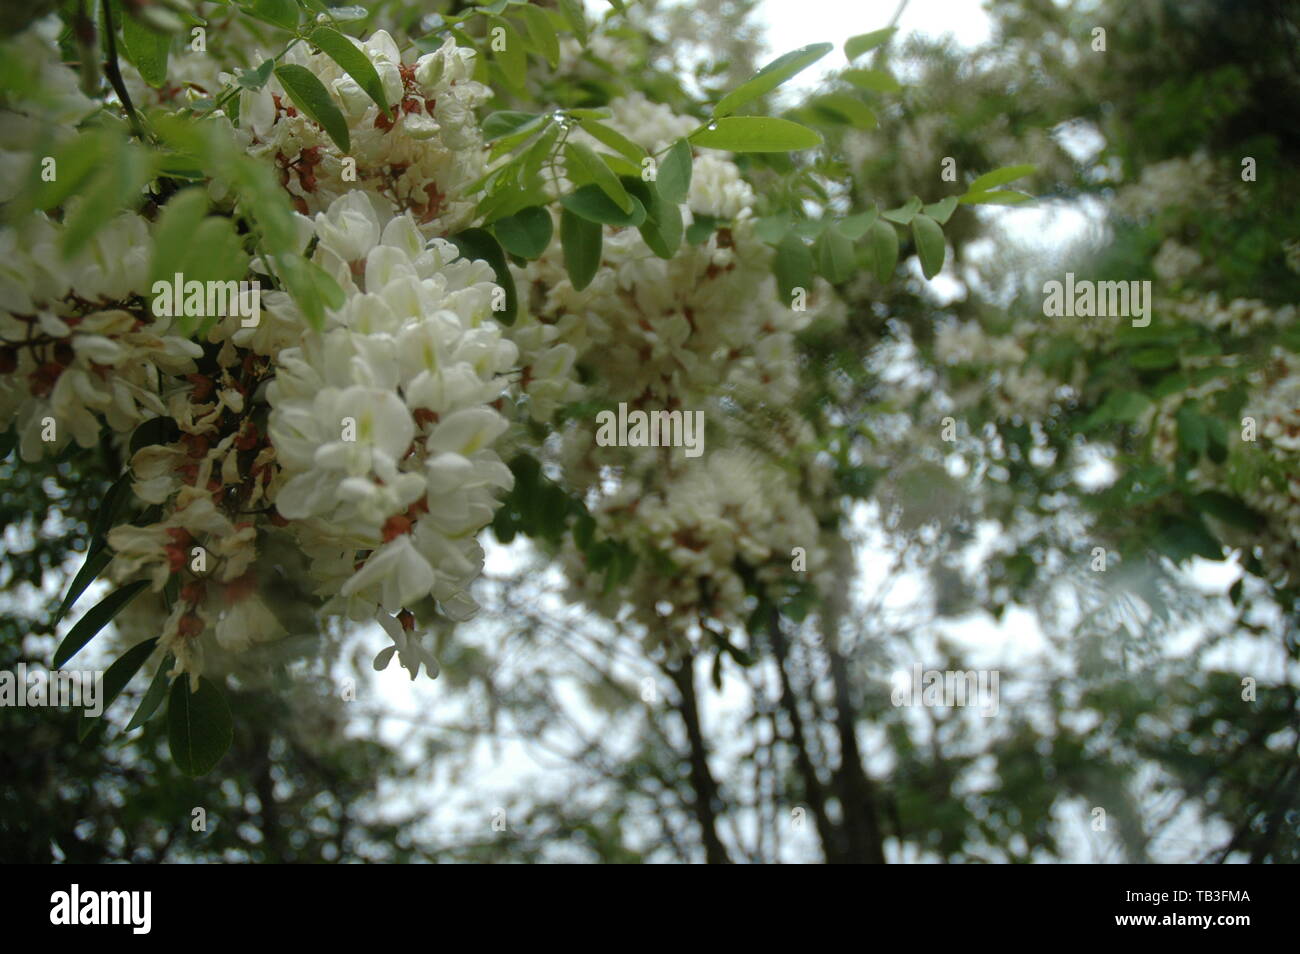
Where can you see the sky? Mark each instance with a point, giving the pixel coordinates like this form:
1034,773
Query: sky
795,23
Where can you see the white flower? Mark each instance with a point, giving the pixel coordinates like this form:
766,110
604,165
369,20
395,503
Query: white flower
397,572
246,622
350,227
406,643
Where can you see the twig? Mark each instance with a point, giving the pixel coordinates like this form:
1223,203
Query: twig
114,74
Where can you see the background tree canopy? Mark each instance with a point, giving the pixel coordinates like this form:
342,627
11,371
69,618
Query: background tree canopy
477,229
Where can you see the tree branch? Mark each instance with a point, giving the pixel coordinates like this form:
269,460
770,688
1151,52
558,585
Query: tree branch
706,789
830,837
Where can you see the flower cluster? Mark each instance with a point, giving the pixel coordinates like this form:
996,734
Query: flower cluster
996,369
75,345
703,331
693,526
359,454
382,424
665,333
418,158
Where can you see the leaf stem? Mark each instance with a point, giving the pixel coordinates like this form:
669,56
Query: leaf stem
114,74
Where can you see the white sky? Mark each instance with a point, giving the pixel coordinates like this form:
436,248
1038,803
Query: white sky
795,23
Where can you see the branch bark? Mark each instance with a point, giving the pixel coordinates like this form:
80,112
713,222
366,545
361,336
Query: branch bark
812,785
864,843
702,781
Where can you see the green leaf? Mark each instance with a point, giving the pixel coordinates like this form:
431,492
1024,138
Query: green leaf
1146,358
1183,538
1192,434
673,179
903,214
772,228
97,559
116,678
526,233
615,140
503,525
576,17
584,531
700,229
309,95
506,121
756,134
481,244
199,726
539,153
856,226
770,77
834,252
153,696
353,61
110,508
792,266
1216,430
512,141
874,81
855,46
1170,384
96,618
114,188
553,511
541,33
147,49
1229,509
255,79
991,180
281,13
810,228
593,204
581,159
313,289
621,167
995,198
214,252
851,109
511,58
662,229
75,160
883,242
582,113
929,244
1127,406
508,201
582,240
177,246
942,210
